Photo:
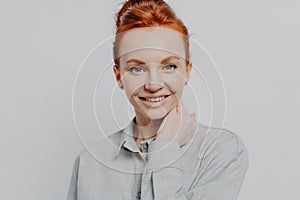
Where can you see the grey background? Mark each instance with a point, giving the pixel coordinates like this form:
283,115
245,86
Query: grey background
255,45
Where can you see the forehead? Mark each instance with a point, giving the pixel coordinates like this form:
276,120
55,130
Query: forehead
157,40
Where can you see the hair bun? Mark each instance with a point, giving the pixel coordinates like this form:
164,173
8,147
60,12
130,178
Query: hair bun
135,1
147,13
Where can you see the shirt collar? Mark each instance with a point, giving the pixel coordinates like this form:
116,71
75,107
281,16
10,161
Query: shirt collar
127,141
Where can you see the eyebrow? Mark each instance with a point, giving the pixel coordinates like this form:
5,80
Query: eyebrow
167,59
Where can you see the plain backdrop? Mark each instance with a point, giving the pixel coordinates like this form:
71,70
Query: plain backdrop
255,45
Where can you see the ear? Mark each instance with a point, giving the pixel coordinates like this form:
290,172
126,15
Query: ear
188,69
118,77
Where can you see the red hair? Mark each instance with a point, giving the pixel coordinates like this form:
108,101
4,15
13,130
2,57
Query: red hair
147,13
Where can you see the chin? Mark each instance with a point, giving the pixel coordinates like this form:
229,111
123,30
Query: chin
155,114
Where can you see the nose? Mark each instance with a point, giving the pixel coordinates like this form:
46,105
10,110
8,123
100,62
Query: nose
153,87
153,82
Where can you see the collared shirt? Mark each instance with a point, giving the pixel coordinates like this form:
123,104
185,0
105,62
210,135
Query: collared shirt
212,165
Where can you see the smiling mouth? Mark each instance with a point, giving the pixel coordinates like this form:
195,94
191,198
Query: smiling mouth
154,99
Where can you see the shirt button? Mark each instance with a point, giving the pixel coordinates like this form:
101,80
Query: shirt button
144,146
138,195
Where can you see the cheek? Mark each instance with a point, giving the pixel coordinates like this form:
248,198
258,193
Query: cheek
175,83
132,85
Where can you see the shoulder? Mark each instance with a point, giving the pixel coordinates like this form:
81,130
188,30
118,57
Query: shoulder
221,164
100,151
220,143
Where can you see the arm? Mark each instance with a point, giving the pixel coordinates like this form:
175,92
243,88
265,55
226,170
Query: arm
222,171
219,176
72,193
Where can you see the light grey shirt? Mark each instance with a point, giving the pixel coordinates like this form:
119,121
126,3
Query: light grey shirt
211,166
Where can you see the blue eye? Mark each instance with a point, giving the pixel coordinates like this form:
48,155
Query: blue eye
170,67
136,69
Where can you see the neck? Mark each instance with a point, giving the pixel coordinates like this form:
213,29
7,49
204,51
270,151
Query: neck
145,129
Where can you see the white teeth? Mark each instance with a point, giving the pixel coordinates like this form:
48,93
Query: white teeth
157,99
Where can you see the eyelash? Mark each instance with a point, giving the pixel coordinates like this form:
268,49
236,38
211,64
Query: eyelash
133,69
170,65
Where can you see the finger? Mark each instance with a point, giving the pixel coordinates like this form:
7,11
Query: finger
181,109
193,115
192,128
179,105
171,116
163,123
187,137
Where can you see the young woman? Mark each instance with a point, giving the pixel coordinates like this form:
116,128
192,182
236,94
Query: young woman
163,153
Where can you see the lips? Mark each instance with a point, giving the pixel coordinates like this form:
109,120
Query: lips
154,101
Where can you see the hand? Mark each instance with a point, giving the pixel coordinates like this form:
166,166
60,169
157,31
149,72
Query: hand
178,125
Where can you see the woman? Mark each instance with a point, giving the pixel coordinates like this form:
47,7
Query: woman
163,153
